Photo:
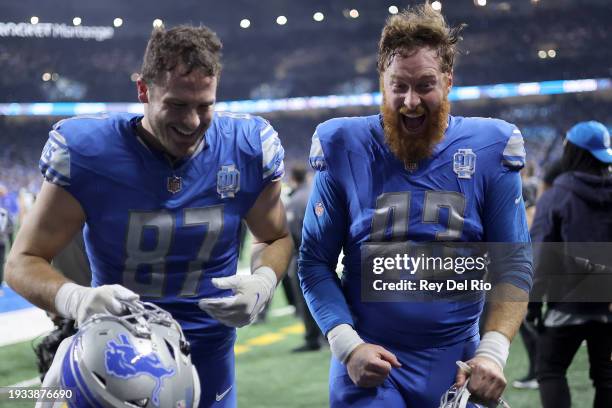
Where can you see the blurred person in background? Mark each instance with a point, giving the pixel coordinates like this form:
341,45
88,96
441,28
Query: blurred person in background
577,208
529,189
6,233
529,329
551,172
296,206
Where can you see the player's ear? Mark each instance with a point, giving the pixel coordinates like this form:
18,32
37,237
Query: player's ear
143,90
449,79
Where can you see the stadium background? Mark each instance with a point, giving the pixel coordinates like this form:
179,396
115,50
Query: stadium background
549,63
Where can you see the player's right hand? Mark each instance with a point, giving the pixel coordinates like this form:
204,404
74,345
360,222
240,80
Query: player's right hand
487,380
369,365
79,302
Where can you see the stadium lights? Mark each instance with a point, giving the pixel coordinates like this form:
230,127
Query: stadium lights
245,23
542,54
118,22
318,16
46,77
552,53
281,20
393,10
158,23
34,20
480,3
76,21
436,5
354,13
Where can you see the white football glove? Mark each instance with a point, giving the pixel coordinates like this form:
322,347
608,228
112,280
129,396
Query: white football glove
251,295
79,302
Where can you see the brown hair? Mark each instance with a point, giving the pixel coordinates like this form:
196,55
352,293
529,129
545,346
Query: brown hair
192,47
416,27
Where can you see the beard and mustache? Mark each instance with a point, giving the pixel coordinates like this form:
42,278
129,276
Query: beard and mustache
414,147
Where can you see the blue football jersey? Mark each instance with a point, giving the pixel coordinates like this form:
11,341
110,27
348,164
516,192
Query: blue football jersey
468,190
163,230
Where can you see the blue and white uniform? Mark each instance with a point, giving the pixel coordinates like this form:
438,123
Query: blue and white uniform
165,230
469,190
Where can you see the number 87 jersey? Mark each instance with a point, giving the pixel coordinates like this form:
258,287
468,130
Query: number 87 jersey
468,190
163,229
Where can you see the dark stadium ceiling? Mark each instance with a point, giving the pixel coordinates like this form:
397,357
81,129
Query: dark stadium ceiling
139,14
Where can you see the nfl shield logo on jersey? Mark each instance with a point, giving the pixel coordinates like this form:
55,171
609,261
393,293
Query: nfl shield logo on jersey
174,184
319,209
228,181
464,163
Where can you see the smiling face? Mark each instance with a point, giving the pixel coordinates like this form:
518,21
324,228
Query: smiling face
177,110
415,103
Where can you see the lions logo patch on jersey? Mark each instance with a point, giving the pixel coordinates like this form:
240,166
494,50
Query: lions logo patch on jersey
464,163
228,181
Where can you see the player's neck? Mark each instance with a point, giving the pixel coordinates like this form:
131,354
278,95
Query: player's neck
151,141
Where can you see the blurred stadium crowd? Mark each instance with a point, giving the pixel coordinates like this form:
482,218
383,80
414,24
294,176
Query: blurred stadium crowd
267,60
542,120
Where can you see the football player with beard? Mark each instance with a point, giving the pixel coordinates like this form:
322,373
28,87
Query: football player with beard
414,173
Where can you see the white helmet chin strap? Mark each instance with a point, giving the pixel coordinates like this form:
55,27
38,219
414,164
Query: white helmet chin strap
456,397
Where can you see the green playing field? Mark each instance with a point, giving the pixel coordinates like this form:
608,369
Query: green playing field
269,375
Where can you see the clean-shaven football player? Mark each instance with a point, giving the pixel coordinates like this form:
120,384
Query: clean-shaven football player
162,197
414,173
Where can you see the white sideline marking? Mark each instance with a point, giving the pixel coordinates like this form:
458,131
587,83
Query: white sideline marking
282,311
22,325
26,384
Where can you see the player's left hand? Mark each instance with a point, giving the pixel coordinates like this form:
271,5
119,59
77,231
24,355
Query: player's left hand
251,295
487,381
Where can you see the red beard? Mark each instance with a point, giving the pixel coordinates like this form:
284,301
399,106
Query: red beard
412,148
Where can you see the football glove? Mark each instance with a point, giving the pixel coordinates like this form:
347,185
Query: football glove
79,302
251,295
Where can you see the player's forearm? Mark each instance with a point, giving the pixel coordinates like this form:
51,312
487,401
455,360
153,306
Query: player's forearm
34,279
507,308
275,254
323,293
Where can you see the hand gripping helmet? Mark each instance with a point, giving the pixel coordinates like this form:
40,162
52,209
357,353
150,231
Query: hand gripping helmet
137,360
458,397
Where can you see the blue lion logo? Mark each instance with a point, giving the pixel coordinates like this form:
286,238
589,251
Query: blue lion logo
123,360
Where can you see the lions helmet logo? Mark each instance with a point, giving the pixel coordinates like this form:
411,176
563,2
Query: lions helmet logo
124,361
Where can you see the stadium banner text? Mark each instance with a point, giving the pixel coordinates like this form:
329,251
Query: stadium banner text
52,30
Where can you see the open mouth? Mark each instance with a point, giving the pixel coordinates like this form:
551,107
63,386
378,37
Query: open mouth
413,123
183,135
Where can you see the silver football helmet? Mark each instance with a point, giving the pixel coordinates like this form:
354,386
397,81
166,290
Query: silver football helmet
139,360
456,397
459,398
